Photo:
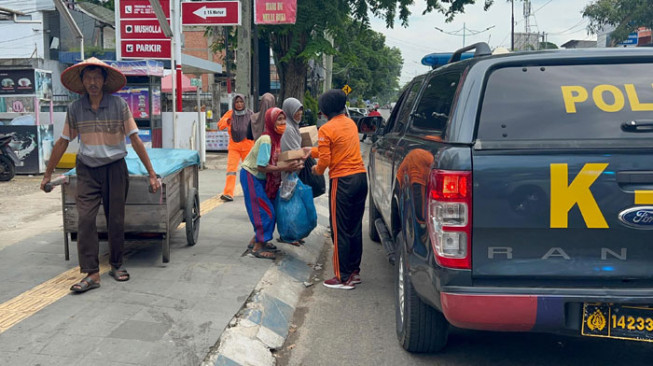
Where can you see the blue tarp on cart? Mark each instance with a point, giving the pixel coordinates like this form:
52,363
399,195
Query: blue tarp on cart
164,161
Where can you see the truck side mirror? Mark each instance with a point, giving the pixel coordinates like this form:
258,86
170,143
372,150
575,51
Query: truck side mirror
369,125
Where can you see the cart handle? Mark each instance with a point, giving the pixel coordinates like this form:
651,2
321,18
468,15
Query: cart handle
49,186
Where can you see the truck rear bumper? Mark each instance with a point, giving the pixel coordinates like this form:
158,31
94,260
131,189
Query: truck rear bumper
524,312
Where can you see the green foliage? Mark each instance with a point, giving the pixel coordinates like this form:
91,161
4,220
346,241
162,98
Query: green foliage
366,64
294,45
310,103
548,46
625,15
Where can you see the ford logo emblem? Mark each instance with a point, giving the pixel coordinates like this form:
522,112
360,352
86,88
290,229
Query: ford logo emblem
638,217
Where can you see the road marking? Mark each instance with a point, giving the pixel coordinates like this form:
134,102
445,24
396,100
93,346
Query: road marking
30,302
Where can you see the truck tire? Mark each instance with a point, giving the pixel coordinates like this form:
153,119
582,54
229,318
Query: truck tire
420,328
372,216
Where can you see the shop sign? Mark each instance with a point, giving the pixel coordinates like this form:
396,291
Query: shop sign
275,11
17,81
141,9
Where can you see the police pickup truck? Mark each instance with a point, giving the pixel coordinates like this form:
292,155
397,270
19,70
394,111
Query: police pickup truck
514,192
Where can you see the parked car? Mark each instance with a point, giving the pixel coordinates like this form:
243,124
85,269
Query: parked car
515,193
322,119
356,114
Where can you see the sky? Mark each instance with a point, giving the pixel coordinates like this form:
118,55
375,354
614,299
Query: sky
560,20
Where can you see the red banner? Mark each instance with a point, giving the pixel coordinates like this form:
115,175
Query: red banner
275,11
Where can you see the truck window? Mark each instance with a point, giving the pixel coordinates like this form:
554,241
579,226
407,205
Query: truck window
432,111
407,105
579,102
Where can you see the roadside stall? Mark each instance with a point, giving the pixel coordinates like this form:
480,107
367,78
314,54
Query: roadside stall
23,94
145,212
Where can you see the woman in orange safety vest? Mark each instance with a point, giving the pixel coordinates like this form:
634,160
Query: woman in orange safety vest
237,122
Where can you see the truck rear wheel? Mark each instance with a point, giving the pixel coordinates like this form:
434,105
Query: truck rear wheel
373,215
420,328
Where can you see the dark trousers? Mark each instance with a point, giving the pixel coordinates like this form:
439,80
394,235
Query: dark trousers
346,208
106,185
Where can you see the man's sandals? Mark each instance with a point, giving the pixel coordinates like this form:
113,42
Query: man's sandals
84,285
119,274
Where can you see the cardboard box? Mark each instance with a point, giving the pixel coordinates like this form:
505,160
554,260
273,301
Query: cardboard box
291,155
284,164
309,136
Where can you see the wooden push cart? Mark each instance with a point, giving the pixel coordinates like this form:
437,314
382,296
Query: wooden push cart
156,213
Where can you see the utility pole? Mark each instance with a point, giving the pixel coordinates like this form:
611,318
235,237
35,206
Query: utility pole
226,62
255,67
244,56
512,26
328,66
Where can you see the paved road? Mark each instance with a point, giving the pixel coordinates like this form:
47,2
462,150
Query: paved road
357,327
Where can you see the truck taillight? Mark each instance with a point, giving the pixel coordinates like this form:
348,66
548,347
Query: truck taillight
450,216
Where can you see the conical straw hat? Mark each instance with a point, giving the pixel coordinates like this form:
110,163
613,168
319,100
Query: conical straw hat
71,77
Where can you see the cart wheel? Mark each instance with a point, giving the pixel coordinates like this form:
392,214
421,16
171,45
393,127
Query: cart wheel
192,216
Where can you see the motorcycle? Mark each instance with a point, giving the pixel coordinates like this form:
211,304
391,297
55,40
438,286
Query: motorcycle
8,158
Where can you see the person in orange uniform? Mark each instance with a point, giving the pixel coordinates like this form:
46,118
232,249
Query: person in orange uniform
339,150
237,122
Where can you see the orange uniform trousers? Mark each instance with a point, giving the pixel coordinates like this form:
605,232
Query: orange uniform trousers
237,151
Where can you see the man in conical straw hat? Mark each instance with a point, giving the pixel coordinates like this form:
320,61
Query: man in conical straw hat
101,122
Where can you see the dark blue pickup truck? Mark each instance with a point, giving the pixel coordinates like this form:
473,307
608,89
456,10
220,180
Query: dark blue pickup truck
514,192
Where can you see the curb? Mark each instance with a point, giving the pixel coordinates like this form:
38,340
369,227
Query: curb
263,323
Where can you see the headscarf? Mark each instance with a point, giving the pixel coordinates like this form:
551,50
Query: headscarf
240,121
258,118
273,179
291,139
332,102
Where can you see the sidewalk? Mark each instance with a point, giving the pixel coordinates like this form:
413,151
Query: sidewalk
209,305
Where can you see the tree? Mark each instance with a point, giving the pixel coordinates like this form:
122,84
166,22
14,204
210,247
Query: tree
294,45
366,64
548,46
625,16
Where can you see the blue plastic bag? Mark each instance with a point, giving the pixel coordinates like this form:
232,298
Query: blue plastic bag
296,217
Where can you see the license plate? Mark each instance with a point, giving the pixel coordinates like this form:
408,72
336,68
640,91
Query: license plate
618,321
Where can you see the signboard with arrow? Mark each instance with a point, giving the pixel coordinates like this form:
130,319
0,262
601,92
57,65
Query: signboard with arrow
203,13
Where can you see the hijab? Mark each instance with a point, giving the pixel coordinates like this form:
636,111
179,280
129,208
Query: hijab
240,121
258,118
273,179
291,139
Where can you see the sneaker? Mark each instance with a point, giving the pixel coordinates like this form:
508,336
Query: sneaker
336,283
226,197
355,278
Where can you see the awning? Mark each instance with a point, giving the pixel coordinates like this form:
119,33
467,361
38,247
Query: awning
166,84
195,65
